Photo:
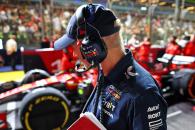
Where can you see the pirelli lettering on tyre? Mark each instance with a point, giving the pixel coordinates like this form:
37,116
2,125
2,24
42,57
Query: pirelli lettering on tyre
44,98
26,121
30,107
39,101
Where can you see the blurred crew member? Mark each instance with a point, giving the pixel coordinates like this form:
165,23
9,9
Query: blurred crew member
11,49
1,61
189,49
172,47
68,59
133,41
184,41
130,99
45,43
144,52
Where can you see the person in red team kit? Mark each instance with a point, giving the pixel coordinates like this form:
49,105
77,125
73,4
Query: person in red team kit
68,59
189,49
172,47
143,53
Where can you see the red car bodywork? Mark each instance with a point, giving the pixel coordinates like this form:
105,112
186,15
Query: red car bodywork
156,68
46,59
3,123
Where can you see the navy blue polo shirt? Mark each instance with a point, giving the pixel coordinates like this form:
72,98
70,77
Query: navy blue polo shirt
132,100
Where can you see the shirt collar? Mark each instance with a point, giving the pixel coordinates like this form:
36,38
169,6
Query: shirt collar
118,73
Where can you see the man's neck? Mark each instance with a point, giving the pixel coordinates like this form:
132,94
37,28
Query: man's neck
113,57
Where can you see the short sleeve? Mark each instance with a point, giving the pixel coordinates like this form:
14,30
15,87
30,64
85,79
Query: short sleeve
150,111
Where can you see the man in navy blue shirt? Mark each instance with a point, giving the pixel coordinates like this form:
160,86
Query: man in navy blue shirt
130,98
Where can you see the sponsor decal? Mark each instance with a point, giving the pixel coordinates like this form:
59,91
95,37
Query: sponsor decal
108,113
109,105
154,115
154,125
153,108
91,53
114,92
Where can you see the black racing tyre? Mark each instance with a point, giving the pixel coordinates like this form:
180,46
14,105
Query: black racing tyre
184,83
44,109
33,75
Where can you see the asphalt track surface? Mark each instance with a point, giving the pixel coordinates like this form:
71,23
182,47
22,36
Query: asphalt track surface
180,116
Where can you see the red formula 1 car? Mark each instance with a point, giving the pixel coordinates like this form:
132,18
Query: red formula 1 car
41,101
175,74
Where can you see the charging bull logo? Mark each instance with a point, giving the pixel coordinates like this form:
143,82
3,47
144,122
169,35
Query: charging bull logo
91,53
114,93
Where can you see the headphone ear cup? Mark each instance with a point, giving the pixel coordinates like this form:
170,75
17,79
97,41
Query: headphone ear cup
94,50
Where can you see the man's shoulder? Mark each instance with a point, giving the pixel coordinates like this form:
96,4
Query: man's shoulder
144,94
138,90
140,85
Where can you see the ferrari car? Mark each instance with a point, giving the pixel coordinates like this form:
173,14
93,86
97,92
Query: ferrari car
41,101
44,99
175,74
